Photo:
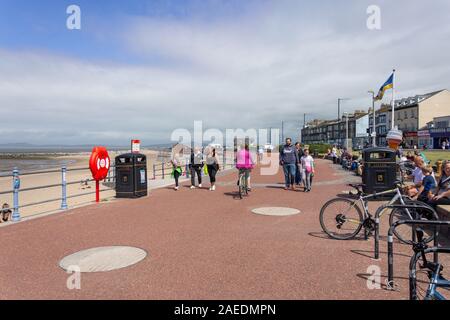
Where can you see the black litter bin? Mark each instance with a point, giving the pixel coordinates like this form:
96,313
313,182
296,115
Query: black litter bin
131,175
380,170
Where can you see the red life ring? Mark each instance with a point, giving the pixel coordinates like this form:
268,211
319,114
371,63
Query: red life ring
99,163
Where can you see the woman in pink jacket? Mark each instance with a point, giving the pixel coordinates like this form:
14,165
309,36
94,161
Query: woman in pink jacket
245,163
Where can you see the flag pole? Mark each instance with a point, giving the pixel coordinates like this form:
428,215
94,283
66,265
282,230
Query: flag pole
393,99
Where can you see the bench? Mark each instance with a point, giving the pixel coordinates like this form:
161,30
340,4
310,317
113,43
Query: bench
443,212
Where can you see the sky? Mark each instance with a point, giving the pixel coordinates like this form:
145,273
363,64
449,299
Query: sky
141,69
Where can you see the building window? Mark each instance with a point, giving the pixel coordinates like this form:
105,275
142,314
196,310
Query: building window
406,114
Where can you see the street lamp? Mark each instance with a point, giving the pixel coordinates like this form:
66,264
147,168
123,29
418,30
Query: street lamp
374,131
339,111
346,130
339,106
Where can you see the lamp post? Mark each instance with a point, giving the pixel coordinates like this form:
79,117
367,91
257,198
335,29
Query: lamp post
346,130
374,131
339,106
339,110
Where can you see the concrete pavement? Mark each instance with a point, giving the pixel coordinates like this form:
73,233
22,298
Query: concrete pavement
201,245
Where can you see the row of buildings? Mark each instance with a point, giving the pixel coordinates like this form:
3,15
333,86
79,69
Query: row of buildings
423,119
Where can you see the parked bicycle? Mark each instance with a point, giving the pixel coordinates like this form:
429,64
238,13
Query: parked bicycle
343,219
426,279
433,270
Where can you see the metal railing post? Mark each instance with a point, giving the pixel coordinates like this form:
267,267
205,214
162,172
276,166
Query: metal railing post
162,166
187,170
64,188
154,171
436,244
16,187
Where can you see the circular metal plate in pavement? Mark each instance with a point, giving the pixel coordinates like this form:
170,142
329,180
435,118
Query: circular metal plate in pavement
276,211
103,259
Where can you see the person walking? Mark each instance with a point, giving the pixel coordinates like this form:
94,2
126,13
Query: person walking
212,164
195,166
260,153
289,160
177,171
308,170
334,154
298,172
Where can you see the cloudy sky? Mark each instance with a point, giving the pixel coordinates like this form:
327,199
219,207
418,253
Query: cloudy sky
140,69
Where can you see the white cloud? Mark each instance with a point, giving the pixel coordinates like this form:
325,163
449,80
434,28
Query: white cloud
253,70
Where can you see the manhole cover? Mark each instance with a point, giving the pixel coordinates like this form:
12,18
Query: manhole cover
276,211
103,259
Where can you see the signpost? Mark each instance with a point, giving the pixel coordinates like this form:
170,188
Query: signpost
99,163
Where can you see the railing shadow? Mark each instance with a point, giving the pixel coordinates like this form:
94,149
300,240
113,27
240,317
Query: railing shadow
323,235
370,253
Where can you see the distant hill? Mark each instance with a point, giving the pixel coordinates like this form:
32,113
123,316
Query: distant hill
50,148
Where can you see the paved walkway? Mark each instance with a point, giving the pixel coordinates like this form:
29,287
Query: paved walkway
200,245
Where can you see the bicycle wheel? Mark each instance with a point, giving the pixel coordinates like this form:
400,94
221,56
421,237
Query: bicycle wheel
404,232
420,283
341,219
246,185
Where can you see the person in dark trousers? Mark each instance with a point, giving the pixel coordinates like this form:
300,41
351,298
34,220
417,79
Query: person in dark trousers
289,160
212,164
195,166
298,172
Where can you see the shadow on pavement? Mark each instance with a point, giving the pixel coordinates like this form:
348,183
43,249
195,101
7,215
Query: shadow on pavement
383,284
347,196
370,253
234,194
323,235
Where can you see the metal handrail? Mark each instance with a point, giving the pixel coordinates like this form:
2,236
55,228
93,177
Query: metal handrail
29,173
63,184
416,205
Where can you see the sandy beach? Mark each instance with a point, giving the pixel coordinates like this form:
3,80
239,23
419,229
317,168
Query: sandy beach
83,191
52,162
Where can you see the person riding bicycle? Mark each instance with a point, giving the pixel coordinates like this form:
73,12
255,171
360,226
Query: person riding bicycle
245,163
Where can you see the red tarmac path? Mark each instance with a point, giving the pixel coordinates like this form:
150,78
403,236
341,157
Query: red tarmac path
201,245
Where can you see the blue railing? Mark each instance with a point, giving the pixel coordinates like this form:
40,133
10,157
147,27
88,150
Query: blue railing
16,188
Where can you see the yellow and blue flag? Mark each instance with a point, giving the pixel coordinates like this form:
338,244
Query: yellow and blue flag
389,84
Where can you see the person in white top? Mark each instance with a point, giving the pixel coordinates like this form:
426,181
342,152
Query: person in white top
416,177
260,153
308,169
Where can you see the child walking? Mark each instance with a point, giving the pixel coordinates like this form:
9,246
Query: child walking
308,170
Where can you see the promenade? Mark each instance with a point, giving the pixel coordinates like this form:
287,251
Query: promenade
202,245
